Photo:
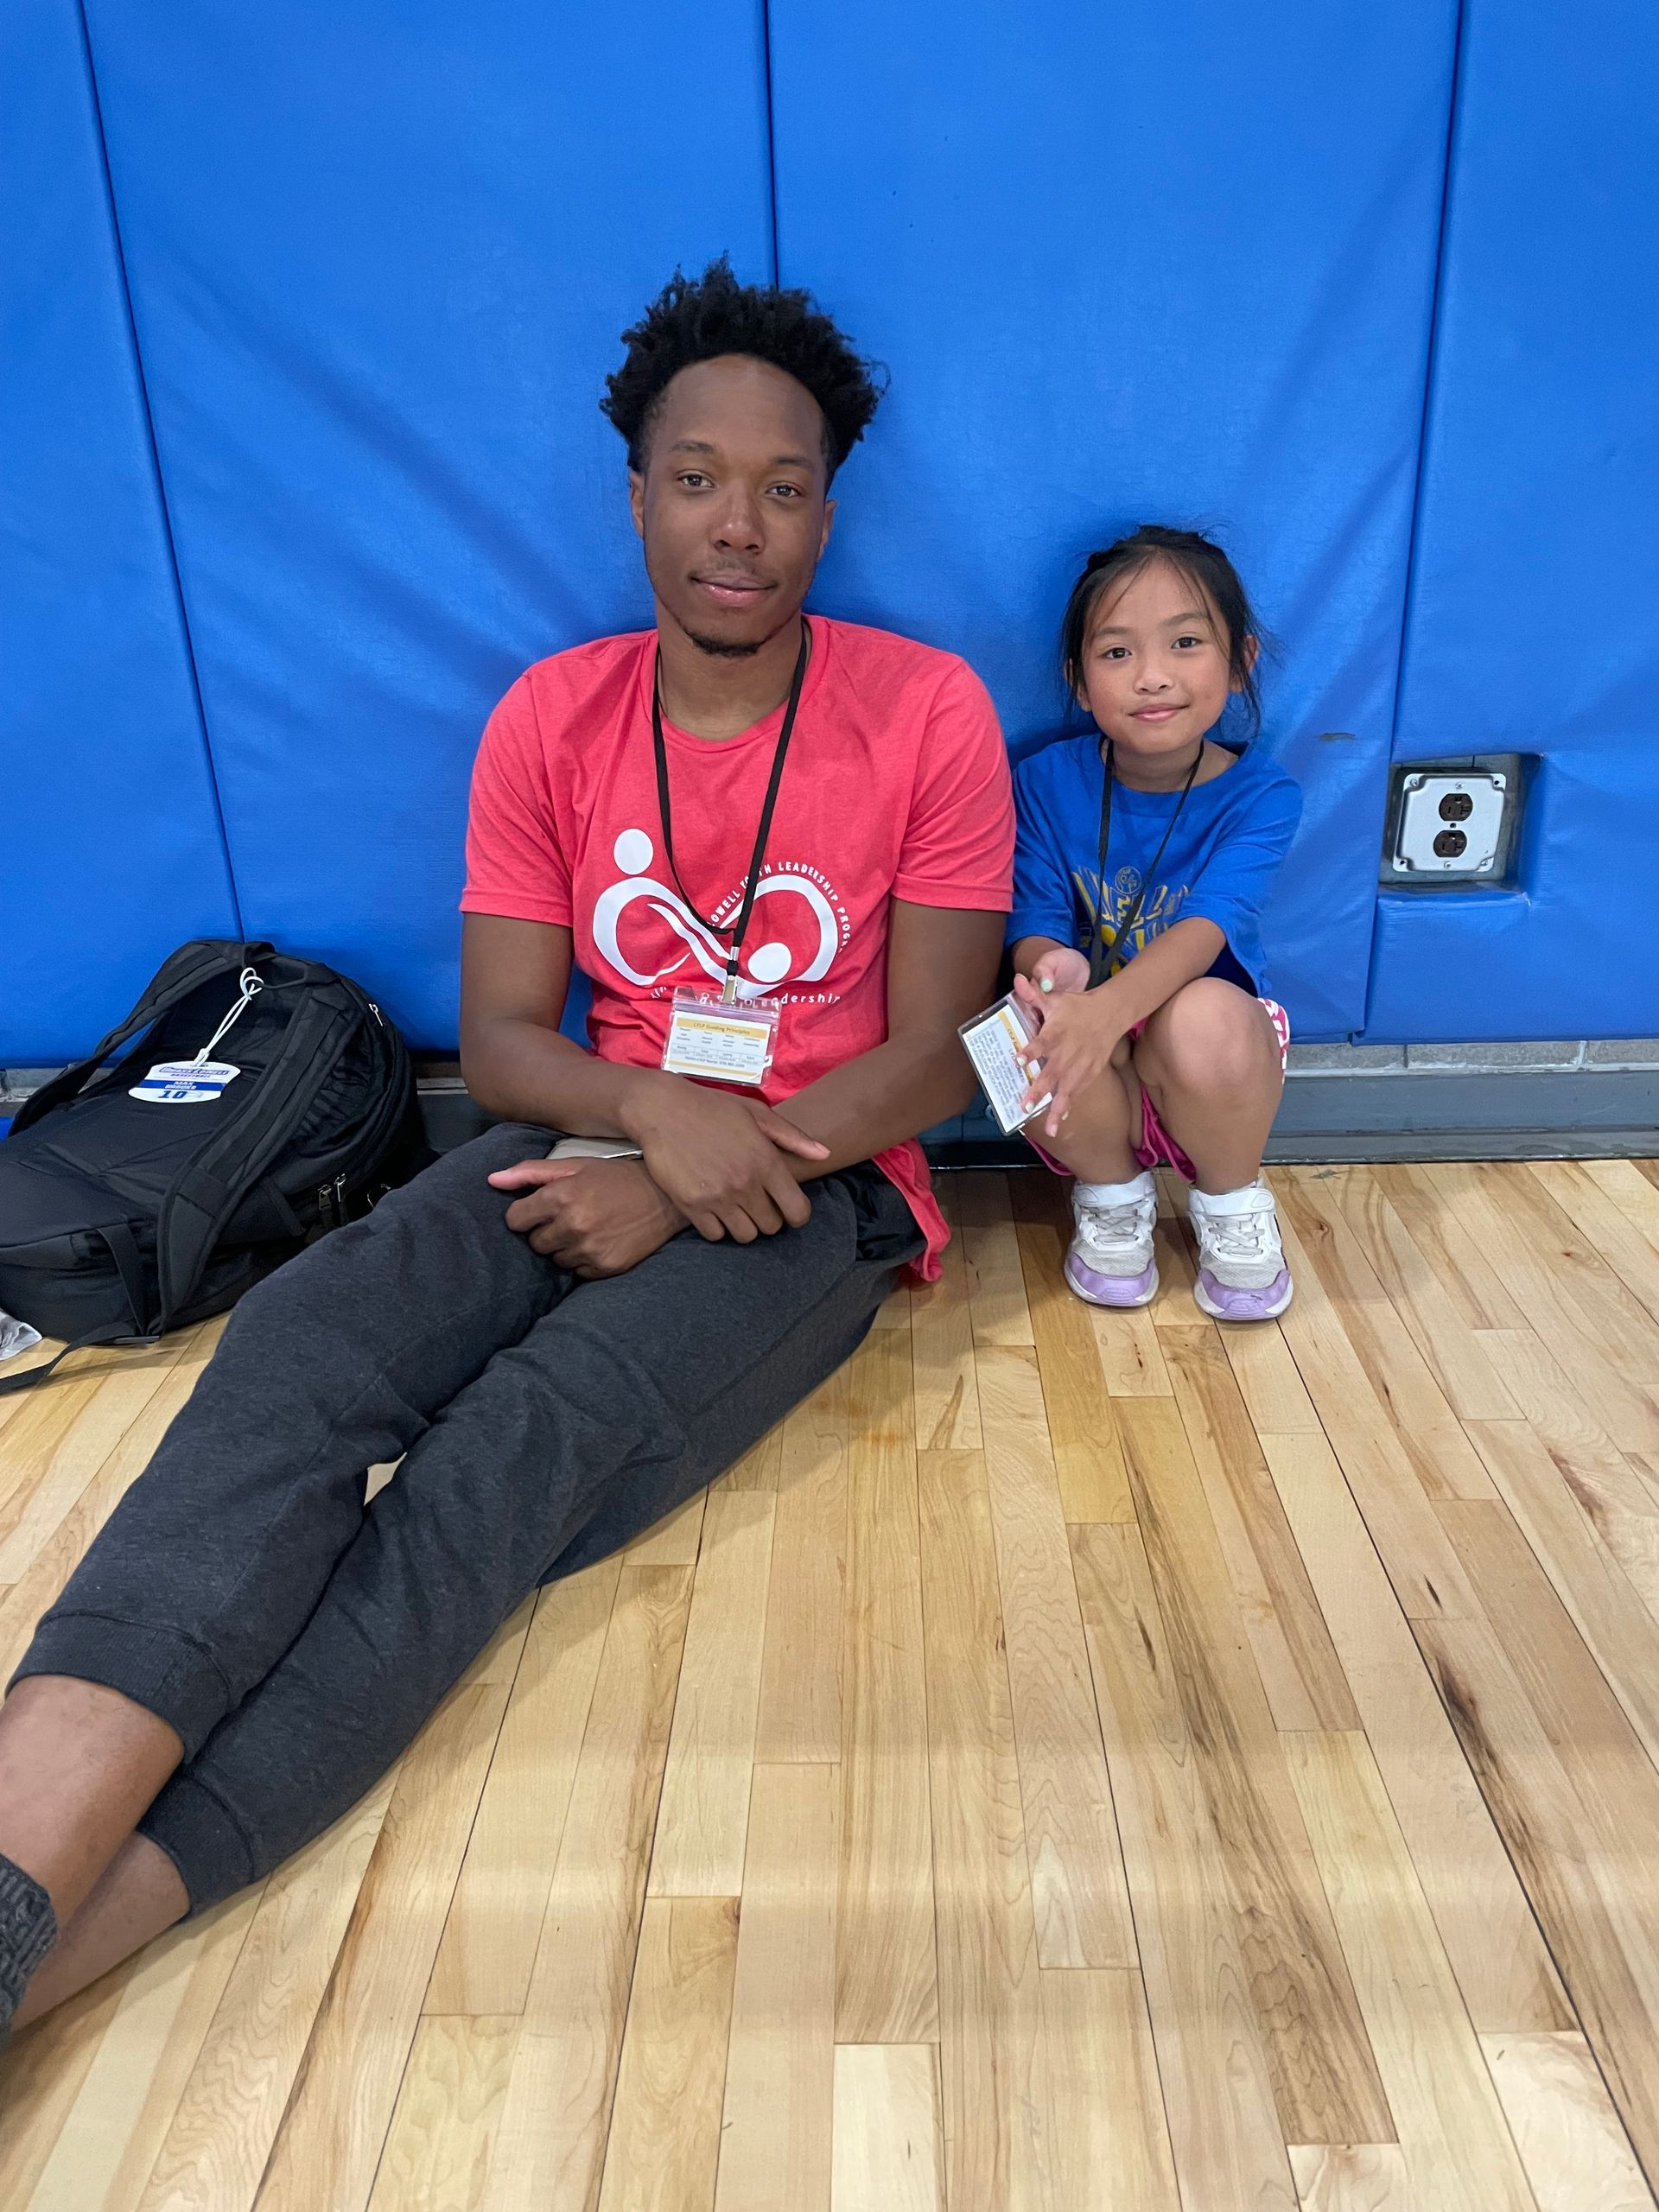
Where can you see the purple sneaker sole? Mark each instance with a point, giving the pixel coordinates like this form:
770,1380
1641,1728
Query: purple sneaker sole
1111,1290
1222,1302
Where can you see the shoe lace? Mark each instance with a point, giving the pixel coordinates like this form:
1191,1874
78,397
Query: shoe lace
1121,1224
1237,1236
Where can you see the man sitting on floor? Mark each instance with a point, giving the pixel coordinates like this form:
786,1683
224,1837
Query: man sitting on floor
781,849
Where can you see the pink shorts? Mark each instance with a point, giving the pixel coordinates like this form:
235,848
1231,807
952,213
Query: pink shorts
1157,1148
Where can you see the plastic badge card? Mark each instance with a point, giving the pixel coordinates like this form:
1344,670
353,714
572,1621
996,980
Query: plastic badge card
721,1040
998,1042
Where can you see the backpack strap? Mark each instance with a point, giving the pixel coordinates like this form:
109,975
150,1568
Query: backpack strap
210,1187
123,1250
184,971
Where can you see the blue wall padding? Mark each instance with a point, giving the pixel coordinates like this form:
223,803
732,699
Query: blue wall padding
1139,263
110,852
380,256
1535,581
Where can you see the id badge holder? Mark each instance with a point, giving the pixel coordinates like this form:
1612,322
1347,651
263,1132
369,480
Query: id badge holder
720,1040
999,1043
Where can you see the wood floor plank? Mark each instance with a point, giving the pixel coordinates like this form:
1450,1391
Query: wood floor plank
703,1816
1325,2078
42,2076
1465,1272
1459,2150
664,2138
1077,1885
549,2147
1293,1653
443,2129
888,2157
676,1538
1611,1490
1352,2177
1577,2156
60,1438
110,2136
57,1557
1131,1358
993,2066
1618,1631
1361,1370
1268,1381
1106,2107
886,1988
327,2153
1450,1346
990,1247
1567,1295
941,1345
799,1716
1402,1379
1574,1795
776,2140
1630,1191
1088,1458
488,1945
1421,1564
1608,1227
1483,1918
213,2155
757,1468
1217,2088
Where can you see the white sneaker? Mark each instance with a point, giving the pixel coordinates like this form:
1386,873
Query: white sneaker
1242,1271
1110,1262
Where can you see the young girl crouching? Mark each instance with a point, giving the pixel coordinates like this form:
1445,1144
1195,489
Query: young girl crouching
1145,851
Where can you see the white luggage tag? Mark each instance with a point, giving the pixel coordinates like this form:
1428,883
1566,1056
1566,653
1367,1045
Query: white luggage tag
722,1040
999,1043
195,1082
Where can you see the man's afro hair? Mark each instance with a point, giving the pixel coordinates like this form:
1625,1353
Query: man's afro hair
698,318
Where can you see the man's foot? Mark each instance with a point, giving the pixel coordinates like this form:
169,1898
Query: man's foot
1110,1260
1242,1271
29,1929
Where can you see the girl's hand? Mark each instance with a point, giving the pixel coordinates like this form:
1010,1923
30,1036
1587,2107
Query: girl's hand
1059,971
1080,1034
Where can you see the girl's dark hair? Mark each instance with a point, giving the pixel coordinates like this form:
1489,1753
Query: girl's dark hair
698,318
1204,566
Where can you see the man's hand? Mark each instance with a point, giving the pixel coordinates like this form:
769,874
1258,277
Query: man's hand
719,1159
595,1217
1079,1039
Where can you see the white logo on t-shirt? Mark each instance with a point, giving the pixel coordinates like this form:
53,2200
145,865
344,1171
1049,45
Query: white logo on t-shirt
768,965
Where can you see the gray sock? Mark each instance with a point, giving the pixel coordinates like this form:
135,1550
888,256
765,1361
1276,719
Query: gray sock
29,1929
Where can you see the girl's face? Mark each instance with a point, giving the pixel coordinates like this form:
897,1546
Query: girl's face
1155,674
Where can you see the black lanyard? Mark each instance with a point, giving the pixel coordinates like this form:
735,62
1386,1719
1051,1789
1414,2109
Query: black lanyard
740,930
1099,968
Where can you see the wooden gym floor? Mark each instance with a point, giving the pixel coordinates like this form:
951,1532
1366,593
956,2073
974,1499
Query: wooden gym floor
1080,1760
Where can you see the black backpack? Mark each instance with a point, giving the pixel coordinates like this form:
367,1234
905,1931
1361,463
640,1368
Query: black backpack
122,1218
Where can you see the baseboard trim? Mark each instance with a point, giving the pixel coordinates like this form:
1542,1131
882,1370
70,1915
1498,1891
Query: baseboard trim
1572,1114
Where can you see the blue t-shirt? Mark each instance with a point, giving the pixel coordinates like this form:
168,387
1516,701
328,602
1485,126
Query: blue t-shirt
1218,864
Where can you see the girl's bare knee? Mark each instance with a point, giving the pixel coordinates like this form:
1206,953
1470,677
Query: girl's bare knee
1213,1037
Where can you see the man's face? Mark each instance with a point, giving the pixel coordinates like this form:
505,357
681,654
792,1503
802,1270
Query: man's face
733,505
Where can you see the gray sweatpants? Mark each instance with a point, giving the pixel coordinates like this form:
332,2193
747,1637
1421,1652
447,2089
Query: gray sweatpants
296,1639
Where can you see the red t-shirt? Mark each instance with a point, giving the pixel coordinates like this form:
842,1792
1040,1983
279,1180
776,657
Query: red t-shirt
896,785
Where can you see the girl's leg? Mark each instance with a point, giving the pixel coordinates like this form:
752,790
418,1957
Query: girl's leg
1113,1201
138,1895
1212,1064
1098,1138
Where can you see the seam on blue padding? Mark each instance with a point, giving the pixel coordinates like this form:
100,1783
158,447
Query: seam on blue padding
771,141
155,462
1430,358
1430,355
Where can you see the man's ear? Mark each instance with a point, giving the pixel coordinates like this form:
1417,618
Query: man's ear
828,524
637,500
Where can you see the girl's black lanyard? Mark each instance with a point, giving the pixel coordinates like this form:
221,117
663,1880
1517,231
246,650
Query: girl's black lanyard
740,930
1099,967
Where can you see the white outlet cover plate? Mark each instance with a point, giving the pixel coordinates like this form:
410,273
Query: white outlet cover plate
1421,822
